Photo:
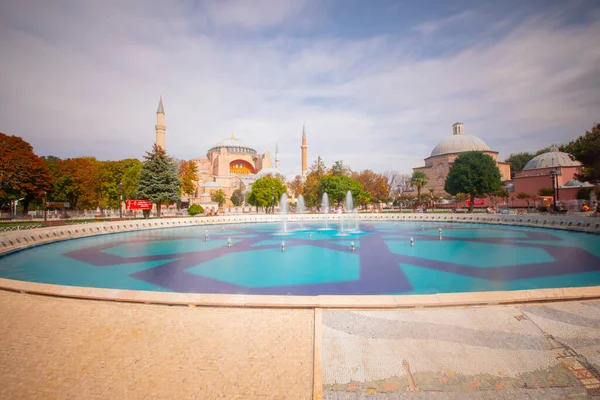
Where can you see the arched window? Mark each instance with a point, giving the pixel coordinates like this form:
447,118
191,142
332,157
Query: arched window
441,168
441,181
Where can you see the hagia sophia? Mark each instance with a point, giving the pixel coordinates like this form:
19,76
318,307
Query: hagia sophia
231,165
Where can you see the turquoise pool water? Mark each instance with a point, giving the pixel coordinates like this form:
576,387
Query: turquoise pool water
469,257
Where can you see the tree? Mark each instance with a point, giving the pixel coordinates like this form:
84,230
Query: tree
158,180
399,183
339,169
311,186
296,186
474,173
266,191
79,181
586,149
376,184
518,161
130,180
237,197
218,196
195,209
546,192
418,180
188,172
23,175
524,196
336,188
498,195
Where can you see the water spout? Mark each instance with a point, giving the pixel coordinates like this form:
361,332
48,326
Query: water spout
300,210
282,246
206,236
283,209
325,207
352,246
412,241
229,244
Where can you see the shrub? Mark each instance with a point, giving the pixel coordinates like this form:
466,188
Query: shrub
195,209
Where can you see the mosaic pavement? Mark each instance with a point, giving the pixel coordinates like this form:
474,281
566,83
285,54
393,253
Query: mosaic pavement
536,351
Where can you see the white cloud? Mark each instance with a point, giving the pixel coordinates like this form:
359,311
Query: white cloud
87,81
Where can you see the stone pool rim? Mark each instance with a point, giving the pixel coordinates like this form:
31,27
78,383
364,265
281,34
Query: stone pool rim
24,239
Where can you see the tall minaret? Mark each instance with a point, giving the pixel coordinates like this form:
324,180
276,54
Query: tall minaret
277,155
303,147
160,125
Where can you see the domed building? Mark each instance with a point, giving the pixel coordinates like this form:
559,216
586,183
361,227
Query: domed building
539,174
438,164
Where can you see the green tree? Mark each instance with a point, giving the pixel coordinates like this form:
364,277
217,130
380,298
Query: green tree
518,161
336,187
586,149
131,179
237,197
266,191
474,173
218,196
23,175
159,181
546,192
524,196
418,180
195,209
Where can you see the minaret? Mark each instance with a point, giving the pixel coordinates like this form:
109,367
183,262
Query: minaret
304,147
160,125
277,155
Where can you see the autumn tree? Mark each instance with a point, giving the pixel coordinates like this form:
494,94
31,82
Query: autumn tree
79,182
419,180
311,186
474,173
586,149
188,173
376,184
23,175
266,191
159,181
340,169
296,186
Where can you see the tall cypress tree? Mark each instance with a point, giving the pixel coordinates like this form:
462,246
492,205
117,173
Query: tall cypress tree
159,180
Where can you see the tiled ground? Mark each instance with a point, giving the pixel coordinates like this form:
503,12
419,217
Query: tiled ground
57,348
538,351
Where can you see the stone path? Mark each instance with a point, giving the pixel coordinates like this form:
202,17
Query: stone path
536,351
57,348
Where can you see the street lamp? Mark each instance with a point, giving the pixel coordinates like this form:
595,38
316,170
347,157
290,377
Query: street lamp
554,173
45,207
121,200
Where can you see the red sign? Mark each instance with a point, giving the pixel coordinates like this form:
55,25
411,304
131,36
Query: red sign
138,204
478,202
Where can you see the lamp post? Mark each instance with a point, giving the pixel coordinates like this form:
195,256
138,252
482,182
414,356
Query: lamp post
121,200
45,207
272,200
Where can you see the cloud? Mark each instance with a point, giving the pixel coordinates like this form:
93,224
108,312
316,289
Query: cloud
85,79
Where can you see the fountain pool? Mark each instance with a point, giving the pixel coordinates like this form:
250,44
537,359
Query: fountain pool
196,260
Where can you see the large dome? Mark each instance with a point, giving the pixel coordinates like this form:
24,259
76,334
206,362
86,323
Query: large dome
552,158
233,145
459,143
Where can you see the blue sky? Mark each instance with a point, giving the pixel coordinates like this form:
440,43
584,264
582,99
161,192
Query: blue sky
377,83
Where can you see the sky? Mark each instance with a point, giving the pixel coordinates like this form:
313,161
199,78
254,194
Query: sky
376,83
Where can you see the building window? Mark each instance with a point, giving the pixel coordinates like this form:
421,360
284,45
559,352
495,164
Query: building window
441,181
441,169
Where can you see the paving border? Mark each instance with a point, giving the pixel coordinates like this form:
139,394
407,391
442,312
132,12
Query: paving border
20,240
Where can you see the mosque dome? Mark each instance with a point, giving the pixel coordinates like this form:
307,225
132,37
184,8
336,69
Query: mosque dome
233,145
268,171
459,142
550,159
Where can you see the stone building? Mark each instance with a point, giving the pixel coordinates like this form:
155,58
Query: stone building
438,164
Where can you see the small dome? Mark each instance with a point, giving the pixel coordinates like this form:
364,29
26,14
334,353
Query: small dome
459,144
233,145
552,158
211,185
268,171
